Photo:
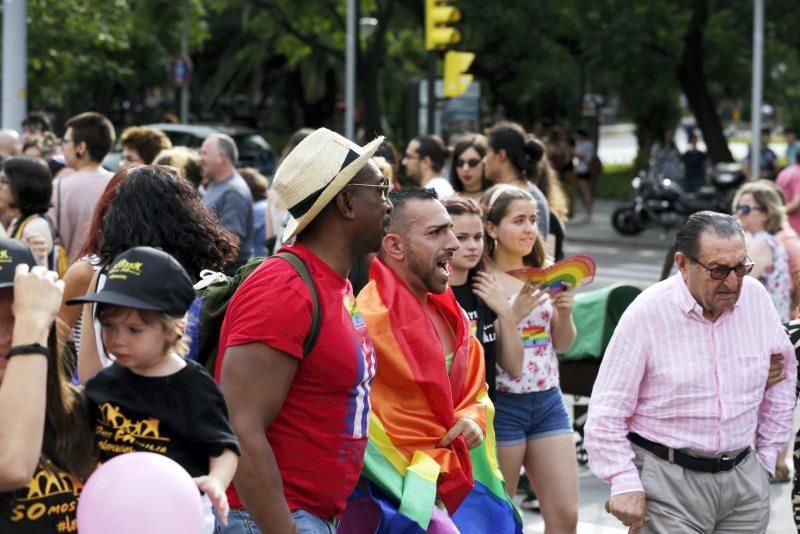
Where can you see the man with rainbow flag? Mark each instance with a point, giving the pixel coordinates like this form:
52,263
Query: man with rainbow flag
431,461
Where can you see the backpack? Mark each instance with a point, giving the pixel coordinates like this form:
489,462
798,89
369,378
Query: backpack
57,260
214,292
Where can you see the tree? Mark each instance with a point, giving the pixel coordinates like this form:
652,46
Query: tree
92,54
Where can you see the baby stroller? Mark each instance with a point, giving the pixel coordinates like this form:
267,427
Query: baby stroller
596,314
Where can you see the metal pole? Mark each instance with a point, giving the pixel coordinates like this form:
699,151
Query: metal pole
15,60
431,126
350,73
758,83
185,53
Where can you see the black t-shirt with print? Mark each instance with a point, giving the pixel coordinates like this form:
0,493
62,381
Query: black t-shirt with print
481,321
182,416
46,505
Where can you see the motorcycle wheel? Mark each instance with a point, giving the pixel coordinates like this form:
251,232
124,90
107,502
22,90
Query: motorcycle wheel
626,222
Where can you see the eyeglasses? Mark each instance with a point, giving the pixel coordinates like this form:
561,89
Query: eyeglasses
471,163
384,187
744,209
721,272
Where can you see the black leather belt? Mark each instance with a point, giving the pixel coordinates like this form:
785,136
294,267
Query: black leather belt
704,465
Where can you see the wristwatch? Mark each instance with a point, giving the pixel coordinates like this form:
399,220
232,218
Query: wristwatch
33,348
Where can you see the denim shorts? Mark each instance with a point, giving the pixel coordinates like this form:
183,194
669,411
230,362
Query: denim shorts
521,417
239,522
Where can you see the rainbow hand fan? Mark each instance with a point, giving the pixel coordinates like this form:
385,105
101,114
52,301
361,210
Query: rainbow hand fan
574,272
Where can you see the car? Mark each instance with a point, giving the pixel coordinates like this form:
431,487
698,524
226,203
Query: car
254,150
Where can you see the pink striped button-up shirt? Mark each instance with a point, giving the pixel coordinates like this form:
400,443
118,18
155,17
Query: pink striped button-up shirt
678,379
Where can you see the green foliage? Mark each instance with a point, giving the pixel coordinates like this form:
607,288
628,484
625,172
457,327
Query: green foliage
535,60
82,53
615,183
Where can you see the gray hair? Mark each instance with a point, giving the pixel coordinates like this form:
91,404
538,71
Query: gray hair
227,145
687,240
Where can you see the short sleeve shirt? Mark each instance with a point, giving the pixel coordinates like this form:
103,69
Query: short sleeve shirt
181,416
231,200
45,505
320,434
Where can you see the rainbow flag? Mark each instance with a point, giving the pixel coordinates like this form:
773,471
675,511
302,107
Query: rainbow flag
414,404
534,336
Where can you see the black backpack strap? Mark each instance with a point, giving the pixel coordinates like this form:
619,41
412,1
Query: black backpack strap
300,266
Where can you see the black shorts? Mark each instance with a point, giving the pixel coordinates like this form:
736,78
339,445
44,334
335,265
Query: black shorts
584,176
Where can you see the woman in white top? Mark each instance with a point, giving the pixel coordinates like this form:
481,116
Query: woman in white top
531,423
26,187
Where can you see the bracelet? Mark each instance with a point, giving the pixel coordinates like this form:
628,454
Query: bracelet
33,348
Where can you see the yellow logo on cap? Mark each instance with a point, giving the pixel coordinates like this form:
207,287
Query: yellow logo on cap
4,258
123,268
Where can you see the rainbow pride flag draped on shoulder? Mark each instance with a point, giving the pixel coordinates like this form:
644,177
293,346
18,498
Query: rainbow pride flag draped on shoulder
414,404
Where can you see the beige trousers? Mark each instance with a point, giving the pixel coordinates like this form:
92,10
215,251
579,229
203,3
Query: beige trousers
684,501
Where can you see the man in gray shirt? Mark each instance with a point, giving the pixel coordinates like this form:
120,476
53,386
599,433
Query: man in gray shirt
227,193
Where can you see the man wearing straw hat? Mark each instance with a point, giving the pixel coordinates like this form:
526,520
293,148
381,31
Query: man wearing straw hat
302,419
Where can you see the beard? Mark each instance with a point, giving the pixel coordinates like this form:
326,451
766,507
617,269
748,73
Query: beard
427,272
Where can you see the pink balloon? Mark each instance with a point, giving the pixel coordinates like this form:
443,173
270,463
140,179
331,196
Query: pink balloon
140,492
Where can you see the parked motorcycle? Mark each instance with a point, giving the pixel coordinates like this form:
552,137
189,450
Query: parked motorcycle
663,202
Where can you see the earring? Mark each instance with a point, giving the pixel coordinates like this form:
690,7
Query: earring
494,244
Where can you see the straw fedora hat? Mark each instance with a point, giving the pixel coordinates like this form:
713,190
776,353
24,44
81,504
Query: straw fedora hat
315,171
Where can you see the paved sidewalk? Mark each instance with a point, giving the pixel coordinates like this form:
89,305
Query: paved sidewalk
600,232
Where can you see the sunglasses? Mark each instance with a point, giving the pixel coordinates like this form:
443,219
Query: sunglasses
384,187
744,209
721,272
471,163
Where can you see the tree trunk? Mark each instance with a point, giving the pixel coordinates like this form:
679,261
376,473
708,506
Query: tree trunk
693,83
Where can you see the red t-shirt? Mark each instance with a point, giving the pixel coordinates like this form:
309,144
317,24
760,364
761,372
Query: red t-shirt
320,434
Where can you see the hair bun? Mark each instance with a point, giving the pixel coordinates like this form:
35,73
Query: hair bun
534,150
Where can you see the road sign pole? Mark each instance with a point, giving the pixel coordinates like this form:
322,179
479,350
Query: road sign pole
350,72
15,59
758,85
185,53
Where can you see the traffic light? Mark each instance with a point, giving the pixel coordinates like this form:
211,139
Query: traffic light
455,65
438,18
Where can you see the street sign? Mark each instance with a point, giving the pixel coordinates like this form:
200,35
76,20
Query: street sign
180,71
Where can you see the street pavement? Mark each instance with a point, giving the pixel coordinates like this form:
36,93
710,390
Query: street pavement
636,261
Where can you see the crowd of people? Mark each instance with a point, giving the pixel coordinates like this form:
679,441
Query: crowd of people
341,347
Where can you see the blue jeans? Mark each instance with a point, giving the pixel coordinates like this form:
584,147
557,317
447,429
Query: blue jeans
239,522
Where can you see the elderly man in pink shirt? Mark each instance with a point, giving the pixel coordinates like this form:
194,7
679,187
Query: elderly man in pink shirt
681,421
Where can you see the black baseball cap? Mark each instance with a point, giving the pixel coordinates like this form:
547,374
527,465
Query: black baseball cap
145,278
12,253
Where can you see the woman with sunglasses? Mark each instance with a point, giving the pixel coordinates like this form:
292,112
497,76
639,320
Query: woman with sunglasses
759,208
467,171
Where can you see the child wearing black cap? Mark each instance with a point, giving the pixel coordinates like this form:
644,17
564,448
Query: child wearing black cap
152,399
